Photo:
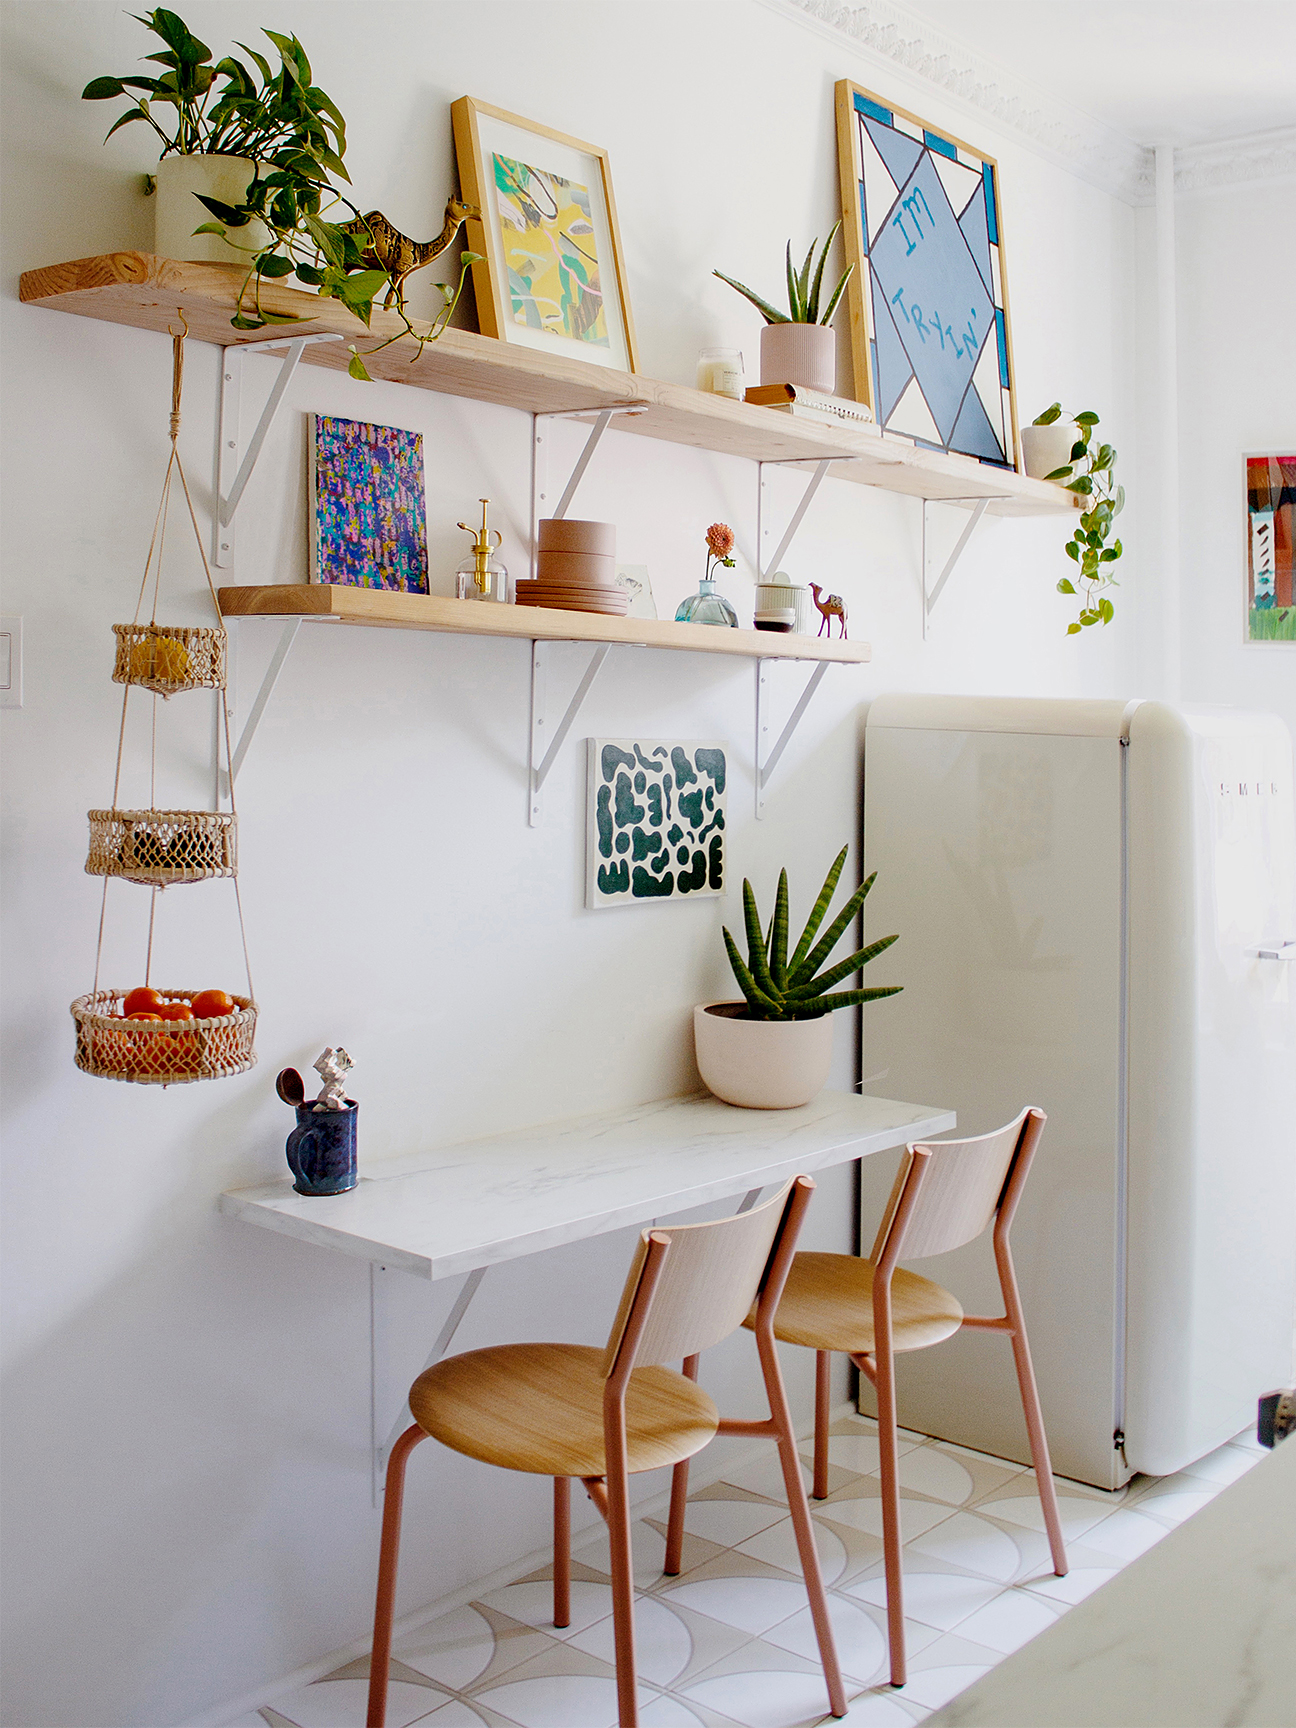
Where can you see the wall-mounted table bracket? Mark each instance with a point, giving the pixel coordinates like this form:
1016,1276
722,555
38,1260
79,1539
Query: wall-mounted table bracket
380,1450
768,567
232,475
546,740
766,762
931,594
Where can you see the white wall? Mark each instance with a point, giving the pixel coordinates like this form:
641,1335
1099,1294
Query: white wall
1237,392
187,1405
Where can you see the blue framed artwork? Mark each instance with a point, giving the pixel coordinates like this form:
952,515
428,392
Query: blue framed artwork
368,513
928,299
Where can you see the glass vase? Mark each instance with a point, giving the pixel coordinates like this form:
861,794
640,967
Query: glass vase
707,606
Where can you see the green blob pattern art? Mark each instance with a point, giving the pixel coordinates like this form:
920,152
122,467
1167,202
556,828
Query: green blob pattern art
656,822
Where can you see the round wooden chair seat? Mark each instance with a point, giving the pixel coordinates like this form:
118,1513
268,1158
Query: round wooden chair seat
539,1407
828,1305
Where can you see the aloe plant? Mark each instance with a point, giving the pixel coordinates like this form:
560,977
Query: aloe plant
779,988
803,292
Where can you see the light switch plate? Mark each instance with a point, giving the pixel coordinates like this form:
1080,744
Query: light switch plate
11,663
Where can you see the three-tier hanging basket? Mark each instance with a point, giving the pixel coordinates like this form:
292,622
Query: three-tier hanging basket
160,848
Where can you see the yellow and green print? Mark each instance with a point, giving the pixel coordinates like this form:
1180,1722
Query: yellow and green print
549,252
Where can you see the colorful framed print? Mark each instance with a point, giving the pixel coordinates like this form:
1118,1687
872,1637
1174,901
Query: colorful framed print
368,512
551,275
655,825
1270,522
930,336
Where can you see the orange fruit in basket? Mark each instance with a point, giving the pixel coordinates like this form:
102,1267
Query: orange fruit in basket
154,1017
175,1011
212,1005
143,1001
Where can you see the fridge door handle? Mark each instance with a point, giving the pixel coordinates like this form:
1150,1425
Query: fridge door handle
1277,951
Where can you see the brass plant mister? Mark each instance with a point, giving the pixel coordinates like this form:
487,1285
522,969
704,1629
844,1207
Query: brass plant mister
482,550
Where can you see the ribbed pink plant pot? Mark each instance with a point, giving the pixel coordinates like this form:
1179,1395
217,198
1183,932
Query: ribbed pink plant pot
761,1064
804,354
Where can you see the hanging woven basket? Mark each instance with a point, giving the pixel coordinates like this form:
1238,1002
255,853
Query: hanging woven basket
167,1054
159,847
168,658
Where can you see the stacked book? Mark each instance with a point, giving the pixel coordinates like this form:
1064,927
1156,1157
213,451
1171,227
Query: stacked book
805,404
575,569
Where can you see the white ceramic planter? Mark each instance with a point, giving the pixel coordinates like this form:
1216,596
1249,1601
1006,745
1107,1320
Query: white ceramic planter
1046,448
804,354
177,212
761,1064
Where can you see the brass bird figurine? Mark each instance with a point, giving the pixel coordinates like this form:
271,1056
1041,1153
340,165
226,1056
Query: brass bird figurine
386,248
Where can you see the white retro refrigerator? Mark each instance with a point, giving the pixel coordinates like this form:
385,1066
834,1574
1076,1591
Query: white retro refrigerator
1097,912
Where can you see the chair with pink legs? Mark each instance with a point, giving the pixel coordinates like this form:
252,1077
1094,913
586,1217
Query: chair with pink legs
568,1410
945,1194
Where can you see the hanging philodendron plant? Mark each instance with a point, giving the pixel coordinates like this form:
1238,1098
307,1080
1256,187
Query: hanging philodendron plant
1091,475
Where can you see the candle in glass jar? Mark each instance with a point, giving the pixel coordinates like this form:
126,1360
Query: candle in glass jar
720,371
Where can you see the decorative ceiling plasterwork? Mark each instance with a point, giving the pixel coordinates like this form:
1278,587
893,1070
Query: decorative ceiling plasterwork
1078,141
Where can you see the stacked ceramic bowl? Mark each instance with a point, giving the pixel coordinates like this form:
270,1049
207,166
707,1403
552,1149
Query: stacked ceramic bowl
575,569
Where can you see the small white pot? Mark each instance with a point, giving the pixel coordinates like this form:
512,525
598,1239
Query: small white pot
1045,448
178,212
804,354
761,1064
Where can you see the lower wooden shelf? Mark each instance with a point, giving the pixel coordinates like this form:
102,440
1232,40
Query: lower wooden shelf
375,606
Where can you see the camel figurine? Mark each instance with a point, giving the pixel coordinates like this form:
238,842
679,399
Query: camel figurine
833,607
386,248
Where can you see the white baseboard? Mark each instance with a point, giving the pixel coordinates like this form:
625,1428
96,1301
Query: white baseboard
703,1475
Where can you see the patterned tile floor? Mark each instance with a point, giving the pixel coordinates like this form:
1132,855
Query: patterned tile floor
729,1641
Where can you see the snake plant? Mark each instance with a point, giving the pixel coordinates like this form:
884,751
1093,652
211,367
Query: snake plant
779,988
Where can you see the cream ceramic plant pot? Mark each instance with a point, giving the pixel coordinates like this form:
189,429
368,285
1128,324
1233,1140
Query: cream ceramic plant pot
761,1064
177,212
1048,448
804,354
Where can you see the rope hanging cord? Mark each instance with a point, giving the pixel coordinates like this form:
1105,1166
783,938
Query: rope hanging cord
153,567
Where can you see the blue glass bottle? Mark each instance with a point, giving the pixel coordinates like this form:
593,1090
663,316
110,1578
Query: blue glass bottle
707,606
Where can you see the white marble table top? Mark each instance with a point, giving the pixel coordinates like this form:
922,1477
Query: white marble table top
1198,1632
442,1213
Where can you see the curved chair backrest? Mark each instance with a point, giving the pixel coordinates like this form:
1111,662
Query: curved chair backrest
693,1284
947,1192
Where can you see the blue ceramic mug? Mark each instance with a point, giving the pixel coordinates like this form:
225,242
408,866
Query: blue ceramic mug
322,1149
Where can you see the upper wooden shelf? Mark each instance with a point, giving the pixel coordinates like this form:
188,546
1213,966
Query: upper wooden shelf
531,623
150,293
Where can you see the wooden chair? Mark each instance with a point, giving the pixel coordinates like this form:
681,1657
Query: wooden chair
944,1195
565,1410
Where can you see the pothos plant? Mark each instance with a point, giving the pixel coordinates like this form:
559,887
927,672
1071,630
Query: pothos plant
781,988
1091,475
296,136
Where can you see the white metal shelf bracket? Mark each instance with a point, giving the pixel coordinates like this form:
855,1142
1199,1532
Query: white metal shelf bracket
233,474
546,741
930,595
287,636
768,567
766,762
540,488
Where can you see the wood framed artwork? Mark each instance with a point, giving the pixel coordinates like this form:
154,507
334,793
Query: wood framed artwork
368,512
551,275
1270,482
655,826
930,337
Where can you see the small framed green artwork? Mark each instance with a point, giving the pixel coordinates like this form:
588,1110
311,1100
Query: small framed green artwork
655,822
1271,565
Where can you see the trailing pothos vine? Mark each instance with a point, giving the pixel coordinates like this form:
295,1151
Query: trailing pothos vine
1091,475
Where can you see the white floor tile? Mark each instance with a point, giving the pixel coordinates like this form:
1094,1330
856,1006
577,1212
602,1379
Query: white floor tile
344,1703
532,1604
1077,1515
1010,1621
253,1719
1247,1440
1225,1465
876,1710
1175,1506
453,1650
936,1686
859,1452
647,1549
668,1713
861,1648
453,1715
865,1513
751,1604
558,1701
940,1599
1074,1587
974,1544
765,1476
766,1699
929,1470
777,1547
729,1522
976,1457
662,1642
1125,1534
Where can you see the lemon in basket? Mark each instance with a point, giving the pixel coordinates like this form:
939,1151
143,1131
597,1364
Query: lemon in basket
161,658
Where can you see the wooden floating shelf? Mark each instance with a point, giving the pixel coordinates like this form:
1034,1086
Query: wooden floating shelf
375,606
149,293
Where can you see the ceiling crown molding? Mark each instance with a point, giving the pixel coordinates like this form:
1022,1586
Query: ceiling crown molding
1235,161
1074,139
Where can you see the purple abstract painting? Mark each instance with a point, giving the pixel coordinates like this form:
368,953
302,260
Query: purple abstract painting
368,511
